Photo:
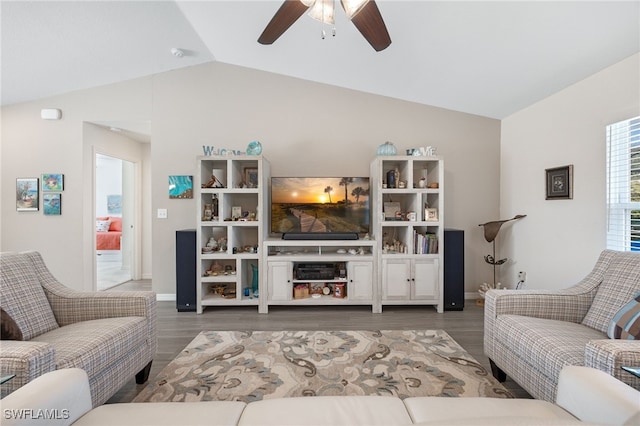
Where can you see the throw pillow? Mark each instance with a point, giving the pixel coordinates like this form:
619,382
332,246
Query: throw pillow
9,330
102,225
626,322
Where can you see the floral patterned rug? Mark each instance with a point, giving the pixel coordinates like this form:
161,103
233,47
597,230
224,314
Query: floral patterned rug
254,365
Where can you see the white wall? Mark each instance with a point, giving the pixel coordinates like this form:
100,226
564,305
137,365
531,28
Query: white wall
559,241
31,146
306,129
311,129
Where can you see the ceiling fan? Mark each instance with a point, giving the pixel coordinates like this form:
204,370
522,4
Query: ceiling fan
364,14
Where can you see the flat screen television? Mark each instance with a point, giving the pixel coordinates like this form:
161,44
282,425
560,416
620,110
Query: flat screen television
320,205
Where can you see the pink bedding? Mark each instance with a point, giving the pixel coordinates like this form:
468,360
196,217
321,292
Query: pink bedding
110,240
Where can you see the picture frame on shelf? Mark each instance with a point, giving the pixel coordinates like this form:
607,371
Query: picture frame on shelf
559,183
52,204
52,182
431,215
236,212
392,210
27,194
251,177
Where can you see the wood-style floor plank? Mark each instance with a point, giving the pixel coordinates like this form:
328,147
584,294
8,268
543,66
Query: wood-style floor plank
177,329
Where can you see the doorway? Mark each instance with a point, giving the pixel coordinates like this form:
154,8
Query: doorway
115,207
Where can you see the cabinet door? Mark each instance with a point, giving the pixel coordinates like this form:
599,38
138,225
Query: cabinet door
279,278
360,285
396,284
425,279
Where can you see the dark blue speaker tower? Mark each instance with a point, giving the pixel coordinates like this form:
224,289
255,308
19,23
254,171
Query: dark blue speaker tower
186,270
453,269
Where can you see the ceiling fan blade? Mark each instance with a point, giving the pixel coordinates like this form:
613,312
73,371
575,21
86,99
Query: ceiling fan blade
288,13
371,25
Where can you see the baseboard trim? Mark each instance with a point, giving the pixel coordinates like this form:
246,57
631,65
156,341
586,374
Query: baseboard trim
166,297
471,296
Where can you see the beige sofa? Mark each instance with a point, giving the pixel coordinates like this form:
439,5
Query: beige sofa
531,335
584,395
110,335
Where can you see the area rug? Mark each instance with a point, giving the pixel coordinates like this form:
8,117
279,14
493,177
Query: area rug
255,365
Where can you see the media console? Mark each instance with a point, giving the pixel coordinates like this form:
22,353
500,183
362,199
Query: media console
320,272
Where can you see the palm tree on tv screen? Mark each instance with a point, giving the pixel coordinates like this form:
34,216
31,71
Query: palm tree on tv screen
345,181
328,190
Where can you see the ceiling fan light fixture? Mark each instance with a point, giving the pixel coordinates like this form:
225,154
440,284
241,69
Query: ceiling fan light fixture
353,7
323,11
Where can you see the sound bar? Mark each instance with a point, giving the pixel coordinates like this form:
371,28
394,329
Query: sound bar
320,236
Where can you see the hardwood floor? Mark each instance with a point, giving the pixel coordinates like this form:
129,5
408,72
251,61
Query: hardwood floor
177,329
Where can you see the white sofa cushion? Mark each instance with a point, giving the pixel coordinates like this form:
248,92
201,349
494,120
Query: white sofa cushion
210,413
326,410
57,398
471,410
592,396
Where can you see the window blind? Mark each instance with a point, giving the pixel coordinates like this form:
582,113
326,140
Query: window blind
623,185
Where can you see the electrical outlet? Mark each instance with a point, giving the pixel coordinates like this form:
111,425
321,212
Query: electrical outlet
522,276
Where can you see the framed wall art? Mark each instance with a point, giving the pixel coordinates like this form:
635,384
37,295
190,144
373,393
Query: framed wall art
52,182
114,204
52,204
180,187
559,182
27,194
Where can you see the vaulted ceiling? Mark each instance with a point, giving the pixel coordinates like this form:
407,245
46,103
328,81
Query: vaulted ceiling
486,58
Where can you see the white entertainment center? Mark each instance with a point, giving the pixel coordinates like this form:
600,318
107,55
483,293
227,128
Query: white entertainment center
240,261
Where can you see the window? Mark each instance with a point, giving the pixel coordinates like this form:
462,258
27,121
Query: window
623,185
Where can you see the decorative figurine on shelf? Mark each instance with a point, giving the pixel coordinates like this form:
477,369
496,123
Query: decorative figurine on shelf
212,243
213,182
491,230
208,212
222,244
215,270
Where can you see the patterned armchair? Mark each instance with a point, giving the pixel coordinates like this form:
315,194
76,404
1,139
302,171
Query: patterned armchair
110,335
530,335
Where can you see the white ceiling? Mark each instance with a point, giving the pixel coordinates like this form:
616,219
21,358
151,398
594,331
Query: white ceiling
486,58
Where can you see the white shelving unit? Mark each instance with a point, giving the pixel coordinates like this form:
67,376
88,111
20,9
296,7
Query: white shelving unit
355,269
225,274
407,194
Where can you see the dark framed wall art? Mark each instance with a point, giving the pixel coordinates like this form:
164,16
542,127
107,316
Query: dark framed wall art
559,182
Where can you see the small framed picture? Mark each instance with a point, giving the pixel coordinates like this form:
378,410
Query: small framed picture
52,182
392,210
180,187
559,182
27,194
236,212
251,177
431,215
52,204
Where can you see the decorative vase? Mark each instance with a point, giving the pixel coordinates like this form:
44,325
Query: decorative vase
387,148
254,281
254,148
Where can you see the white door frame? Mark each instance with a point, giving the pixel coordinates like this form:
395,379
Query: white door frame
136,212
